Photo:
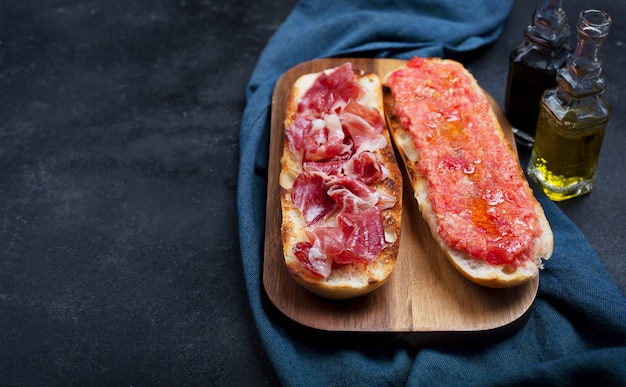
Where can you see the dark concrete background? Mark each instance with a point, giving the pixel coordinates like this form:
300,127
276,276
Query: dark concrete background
119,260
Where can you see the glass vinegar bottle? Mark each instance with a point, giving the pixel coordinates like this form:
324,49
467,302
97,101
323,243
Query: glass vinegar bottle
533,67
573,117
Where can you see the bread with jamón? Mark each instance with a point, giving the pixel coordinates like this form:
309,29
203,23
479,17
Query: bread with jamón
341,188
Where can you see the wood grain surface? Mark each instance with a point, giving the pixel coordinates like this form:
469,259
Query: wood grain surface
424,294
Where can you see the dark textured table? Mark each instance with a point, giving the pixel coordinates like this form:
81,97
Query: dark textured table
118,165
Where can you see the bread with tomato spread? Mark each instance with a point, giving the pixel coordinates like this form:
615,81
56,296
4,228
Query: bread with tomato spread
465,175
341,187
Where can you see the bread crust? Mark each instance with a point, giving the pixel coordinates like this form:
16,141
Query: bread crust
476,270
354,279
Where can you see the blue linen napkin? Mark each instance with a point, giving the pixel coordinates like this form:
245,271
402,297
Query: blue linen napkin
576,333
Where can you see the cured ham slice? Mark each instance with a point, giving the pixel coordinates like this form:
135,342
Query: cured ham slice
309,195
331,92
365,127
359,237
367,167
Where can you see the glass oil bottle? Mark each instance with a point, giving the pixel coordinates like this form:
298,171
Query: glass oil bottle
533,67
573,117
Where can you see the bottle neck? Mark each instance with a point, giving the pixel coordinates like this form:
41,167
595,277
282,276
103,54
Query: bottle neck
549,27
583,74
592,30
589,49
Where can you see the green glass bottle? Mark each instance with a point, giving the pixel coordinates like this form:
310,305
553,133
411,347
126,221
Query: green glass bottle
573,117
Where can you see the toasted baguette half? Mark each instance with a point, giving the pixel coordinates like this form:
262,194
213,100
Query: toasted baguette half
475,269
352,279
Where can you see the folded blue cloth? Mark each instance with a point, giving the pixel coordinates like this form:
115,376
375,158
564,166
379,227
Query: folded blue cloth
576,333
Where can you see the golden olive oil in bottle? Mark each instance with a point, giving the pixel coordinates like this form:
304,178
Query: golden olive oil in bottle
573,117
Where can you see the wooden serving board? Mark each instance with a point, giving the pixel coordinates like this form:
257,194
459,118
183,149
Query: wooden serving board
424,294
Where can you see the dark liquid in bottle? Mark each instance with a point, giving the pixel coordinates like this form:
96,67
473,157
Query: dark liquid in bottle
526,86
